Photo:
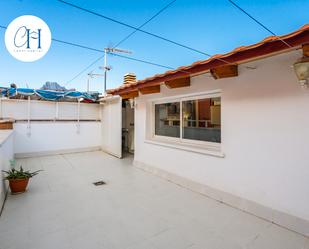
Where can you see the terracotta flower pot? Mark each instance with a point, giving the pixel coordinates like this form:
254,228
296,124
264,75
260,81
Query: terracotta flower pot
18,185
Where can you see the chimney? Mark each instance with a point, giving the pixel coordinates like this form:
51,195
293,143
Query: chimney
129,78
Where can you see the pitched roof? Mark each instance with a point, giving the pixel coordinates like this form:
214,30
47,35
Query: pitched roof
266,47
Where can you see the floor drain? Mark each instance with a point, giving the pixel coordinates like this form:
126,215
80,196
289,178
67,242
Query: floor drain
98,183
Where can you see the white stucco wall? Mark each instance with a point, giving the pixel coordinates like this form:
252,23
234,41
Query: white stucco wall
19,109
265,137
6,154
111,129
55,137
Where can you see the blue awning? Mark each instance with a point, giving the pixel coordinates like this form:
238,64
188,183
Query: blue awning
46,94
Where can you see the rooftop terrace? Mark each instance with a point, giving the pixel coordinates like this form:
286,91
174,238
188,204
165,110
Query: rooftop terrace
134,210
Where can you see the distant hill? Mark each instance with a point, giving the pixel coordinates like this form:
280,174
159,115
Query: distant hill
54,86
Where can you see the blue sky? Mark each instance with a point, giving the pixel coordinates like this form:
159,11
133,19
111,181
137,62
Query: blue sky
213,26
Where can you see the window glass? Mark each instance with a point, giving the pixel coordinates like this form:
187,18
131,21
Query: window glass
167,119
202,119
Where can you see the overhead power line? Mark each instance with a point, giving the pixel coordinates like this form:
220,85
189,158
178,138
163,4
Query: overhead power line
139,60
121,56
148,21
102,51
70,43
124,39
258,22
78,45
84,70
135,28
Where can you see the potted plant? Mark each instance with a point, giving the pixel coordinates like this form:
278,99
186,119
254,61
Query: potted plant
18,179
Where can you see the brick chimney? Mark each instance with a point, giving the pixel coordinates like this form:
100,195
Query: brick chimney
129,78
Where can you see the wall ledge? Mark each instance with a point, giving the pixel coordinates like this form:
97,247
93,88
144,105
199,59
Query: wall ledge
280,218
56,152
210,151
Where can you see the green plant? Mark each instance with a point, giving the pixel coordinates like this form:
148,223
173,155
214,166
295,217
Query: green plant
14,174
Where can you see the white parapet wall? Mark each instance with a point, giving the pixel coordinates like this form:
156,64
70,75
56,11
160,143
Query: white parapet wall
20,109
46,138
47,127
6,154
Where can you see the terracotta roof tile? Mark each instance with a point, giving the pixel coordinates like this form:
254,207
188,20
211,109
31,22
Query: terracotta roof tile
267,46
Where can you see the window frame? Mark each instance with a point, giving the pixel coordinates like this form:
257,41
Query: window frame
181,140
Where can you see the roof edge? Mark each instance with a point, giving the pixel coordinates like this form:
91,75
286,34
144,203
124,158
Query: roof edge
267,47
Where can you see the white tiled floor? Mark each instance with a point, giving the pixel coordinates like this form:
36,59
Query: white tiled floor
62,209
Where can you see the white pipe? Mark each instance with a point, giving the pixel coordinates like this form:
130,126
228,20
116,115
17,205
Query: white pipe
29,116
57,111
0,108
105,71
88,85
78,114
100,112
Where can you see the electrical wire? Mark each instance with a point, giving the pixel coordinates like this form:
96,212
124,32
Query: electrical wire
143,31
84,70
135,30
139,60
70,43
133,27
121,56
126,38
102,51
258,22
148,33
148,21
78,45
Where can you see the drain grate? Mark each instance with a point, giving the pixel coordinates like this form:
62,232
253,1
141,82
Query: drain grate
99,183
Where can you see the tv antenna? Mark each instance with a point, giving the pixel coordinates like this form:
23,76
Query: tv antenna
106,68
